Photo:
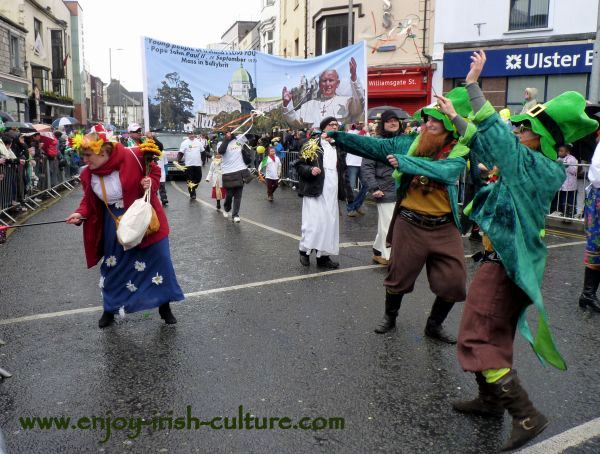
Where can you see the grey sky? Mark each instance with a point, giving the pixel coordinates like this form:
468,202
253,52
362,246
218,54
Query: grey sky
120,24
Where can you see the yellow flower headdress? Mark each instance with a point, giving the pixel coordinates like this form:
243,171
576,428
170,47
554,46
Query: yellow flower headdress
149,147
79,141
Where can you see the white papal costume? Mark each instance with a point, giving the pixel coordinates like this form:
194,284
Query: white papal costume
320,215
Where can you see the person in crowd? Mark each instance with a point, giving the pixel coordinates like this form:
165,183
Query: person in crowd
530,99
235,174
511,213
565,201
424,230
345,109
203,146
353,164
190,152
591,219
7,156
377,177
270,170
322,174
215,178
140,278
135,138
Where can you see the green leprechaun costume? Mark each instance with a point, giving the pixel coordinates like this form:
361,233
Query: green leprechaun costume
511,212
424,226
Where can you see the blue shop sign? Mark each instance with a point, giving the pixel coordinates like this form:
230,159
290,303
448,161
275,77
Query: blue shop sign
524,61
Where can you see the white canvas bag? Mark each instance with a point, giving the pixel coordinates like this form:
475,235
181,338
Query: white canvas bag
135,221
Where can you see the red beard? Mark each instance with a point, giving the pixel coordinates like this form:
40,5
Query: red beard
430,144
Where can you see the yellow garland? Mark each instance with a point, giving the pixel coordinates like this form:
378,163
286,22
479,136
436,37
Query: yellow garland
150,147
309,150
79,141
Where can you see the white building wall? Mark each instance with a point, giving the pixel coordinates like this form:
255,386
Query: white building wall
456,22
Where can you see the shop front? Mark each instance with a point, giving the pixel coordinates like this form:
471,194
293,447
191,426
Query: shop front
550,69
408,87
15,102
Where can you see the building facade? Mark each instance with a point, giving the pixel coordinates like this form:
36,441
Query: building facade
14,84
81,86
268,27
398,37
541,44
122,106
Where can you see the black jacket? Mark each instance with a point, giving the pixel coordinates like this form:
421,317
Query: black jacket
312,186
377,176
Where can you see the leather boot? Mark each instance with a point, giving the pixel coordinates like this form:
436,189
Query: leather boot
106,319
588,297
165,313
325,262
485,404
434,328
527,422
392,306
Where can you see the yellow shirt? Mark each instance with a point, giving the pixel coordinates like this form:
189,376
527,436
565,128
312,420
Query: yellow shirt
429,202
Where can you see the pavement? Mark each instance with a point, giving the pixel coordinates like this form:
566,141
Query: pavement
260,331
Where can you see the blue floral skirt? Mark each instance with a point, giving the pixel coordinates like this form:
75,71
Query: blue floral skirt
136,279
591,216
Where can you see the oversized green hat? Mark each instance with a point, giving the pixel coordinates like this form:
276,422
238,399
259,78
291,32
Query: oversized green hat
460,100
559,121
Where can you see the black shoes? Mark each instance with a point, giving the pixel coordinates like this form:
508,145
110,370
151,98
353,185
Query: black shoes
588,297
106,319
325,262
304,258
392,306
434,328
165,313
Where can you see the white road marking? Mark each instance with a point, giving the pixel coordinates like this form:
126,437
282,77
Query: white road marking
28,318
573,243
568,439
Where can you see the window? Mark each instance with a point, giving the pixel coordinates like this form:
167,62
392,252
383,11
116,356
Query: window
56,40
332,33
297,47
548,87
526,14
41,78
16,67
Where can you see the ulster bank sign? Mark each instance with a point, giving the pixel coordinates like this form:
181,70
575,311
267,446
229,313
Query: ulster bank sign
525,61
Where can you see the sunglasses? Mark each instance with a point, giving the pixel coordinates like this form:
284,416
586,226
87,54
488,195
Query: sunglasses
523,128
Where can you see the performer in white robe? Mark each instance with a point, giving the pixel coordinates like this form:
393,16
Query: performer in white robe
320,215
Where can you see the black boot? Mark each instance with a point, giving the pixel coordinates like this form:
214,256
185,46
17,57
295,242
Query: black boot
588,297
485,404
434,328
304,258
325,262
106,319
527,422
392,306
165,313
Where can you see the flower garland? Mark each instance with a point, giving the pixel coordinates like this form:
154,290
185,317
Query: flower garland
309,150
79,141
150,151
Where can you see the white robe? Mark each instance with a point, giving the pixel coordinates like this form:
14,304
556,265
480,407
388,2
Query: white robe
320,215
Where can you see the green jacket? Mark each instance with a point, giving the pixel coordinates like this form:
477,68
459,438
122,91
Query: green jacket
512,213
446,171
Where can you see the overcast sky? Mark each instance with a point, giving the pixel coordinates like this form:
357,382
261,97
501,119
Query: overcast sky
119,24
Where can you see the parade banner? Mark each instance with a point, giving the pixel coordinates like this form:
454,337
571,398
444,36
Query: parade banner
187,88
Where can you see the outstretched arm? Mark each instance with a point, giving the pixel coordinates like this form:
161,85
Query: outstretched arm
372,148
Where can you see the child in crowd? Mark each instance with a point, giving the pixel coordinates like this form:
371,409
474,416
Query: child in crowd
215,177
566,204
270,168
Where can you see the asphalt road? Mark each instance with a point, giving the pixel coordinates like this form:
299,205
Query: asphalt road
259,330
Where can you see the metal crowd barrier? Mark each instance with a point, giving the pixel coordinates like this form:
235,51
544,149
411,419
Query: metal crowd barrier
24,186
288,171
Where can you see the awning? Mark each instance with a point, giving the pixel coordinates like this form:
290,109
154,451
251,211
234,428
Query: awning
15,95
55,104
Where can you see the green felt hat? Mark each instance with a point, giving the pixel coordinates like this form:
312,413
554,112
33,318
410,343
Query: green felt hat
460,100
559,121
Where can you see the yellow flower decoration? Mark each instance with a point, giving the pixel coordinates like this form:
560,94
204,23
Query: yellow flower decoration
79,141
309,150
150,147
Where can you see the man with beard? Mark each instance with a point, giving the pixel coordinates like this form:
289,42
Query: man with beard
424,226
511,212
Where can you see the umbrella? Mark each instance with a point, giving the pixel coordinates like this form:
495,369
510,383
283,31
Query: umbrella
5,116
376,112
42,127
64,121
23,127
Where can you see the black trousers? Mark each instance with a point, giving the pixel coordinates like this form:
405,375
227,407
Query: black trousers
235,195
193,174
162,190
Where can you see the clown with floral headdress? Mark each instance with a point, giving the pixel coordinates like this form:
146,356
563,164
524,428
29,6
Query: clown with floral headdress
114,177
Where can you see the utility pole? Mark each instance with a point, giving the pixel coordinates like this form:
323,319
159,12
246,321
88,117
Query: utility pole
350,22
595,76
